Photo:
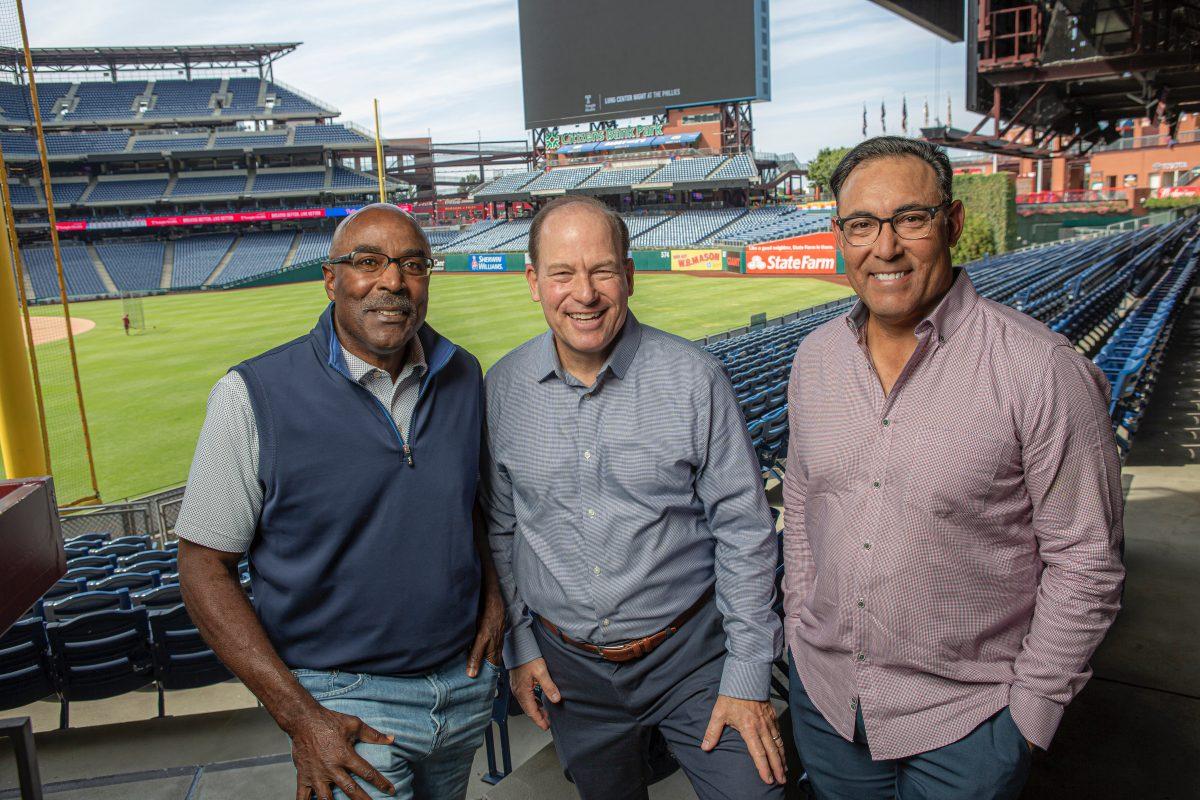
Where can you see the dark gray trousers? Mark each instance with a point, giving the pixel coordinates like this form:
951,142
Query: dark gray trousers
609,712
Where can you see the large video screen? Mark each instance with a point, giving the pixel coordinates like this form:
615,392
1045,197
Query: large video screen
587,60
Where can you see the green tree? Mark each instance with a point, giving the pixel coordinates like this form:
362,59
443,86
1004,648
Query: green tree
821,167
468,182
978,240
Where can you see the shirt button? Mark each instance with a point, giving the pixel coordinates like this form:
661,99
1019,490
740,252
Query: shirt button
941,340
875,484
862,656
853,704
605,623
886,423
587,455
862,604
596,570
866,545
591,512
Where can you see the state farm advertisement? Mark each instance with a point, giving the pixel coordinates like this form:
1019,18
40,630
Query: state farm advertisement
811,254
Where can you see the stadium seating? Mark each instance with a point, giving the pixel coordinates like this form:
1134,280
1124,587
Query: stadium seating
685,170
1041,282
182,659
349,179
23,195
506,184
186,98
97,100
209,185
26,674
128,190
169,144
196,257
134,266
559,180
313,245
736,168
333,134
249,140
311,181
68,192
616,178
257,254
687,228
63,144
80,273
85,602
101,654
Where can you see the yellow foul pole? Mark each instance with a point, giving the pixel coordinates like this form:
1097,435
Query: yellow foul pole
20,425
62,282
379,154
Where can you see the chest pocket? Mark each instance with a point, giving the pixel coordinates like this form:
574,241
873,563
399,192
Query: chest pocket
949,473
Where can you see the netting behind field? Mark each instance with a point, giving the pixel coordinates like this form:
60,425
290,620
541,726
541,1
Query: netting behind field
131,310
61,395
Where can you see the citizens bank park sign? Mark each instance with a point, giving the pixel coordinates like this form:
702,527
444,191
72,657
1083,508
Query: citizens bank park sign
811,254
556,140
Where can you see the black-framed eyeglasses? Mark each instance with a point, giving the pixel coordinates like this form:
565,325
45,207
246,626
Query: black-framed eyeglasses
913,223
369,262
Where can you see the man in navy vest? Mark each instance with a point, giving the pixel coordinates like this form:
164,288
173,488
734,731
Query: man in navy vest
345,465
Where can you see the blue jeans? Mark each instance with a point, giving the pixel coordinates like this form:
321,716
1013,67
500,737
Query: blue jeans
989,763
438,720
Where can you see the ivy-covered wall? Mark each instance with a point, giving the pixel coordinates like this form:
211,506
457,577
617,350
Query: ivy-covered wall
992,197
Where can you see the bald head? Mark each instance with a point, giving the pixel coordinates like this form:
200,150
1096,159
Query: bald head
368,225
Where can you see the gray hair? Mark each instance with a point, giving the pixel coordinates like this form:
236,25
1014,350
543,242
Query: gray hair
616,225
890,147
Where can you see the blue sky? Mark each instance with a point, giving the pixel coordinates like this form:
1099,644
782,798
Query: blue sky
452,67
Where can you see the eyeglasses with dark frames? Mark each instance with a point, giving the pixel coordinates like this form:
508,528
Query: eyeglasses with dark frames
369,262
862,230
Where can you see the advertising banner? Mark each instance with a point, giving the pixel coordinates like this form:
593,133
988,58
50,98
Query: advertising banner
811,254
697,260
651,260
485,262
1178,191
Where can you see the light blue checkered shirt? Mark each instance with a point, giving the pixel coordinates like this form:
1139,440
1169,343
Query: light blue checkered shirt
612,508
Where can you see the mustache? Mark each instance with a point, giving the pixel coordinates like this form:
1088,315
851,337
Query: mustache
394,303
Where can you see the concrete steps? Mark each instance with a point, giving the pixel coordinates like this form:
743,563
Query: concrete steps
224,262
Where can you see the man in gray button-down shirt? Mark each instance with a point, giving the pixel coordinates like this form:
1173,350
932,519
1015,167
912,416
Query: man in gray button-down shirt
625,500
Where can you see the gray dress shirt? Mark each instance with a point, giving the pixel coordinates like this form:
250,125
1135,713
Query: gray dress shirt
224,497
611,508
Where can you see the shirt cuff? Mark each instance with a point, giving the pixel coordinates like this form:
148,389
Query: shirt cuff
1036,717
520,646
746,680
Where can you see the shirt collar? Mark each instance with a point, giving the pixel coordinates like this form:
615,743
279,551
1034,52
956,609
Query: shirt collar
361,371
628,340
945,318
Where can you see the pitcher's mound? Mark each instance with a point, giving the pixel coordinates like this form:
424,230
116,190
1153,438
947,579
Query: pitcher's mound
51,329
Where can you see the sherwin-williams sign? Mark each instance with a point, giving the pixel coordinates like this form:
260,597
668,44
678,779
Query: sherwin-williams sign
811,254
486,262
696,260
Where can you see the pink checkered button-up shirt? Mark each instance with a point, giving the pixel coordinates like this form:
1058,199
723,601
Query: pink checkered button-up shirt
953,547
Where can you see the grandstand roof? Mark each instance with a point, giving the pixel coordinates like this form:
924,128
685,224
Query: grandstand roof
199,56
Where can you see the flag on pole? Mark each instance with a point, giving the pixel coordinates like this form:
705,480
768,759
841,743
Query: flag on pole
926,112
883,116
949,118
904,114
864,120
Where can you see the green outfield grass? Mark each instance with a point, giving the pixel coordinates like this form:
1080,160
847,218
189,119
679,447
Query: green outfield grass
146,393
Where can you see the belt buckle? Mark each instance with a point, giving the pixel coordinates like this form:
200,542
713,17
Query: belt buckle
619,653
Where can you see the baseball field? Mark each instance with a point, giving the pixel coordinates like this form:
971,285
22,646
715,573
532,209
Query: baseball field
145,393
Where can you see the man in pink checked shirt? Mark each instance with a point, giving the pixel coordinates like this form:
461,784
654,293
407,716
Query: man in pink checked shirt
952,507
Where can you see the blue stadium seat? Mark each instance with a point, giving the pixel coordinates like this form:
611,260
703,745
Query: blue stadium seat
92,561
101,654
26,675
166,596
64,587
182,659
145,555
130,581
500,710
120,549
160,566
87,573
85,603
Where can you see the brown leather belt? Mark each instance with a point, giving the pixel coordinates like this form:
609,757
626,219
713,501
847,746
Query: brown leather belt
637,648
